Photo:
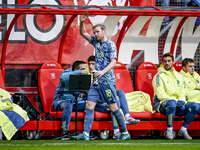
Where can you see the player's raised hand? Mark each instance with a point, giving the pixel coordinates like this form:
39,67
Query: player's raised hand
84,17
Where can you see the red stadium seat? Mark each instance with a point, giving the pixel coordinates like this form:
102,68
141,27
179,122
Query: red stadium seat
143,78
142,115
178,66
98,116
123,78
157,115
48,79
124,82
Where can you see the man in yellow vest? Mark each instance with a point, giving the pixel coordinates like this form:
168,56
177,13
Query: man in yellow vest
192,81
170,97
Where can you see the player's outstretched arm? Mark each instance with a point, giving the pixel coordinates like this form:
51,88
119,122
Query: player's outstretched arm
109,67
83,32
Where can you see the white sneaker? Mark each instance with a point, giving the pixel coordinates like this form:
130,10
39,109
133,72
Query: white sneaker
131,120
170,134
185,134
116,135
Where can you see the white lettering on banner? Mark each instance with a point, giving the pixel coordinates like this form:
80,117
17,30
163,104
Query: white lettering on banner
190,40
14,34
133,40
170,36
38,36
110,23
149,43
45,36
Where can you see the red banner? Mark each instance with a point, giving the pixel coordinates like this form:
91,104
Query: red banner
36,39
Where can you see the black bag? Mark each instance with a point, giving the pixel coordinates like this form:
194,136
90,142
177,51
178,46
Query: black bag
21,100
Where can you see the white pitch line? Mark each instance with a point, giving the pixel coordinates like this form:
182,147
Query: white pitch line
57,144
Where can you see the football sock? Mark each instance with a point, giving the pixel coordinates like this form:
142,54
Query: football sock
123,101
89,116
120,120
183,128
66,117
192,111
169,128
127,116
116,130
114,122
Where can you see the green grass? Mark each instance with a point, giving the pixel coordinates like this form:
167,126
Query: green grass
153,144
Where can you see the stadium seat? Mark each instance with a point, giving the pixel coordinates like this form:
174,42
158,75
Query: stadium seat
48,79
99,116
147,115
123,78
143,78
159,116
178,66
124,82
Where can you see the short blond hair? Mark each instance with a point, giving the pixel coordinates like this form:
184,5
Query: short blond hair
103,27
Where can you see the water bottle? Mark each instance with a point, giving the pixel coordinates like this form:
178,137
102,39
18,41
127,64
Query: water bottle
95,79
0,133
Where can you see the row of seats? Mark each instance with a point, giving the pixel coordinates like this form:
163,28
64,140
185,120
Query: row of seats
49,76
48,79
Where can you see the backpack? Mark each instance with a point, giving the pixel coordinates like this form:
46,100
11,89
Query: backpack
21,100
